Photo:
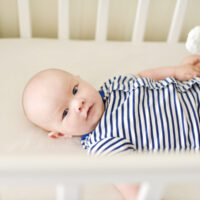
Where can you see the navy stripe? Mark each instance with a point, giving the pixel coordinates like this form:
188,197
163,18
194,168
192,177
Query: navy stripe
120,147
172,119
156,122
176,111
162,123
105,123
128,118
128,148
198,101
168,129
129,114
105,86
141,132
111,120
107,141
145,120
134,121
100,131
118,82
122,118
117,119
150,118
124,86
183,125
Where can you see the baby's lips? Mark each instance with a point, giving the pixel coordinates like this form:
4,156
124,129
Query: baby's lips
60,134
53,136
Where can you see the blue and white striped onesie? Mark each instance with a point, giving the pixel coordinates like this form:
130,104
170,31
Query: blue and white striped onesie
144,115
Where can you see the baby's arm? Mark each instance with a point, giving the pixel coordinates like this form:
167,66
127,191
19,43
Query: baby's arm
128,191
189,68
158,73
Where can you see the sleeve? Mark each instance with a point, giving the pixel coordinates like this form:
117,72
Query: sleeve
110,146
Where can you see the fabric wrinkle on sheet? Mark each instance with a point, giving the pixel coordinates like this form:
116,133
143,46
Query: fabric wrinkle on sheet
144,115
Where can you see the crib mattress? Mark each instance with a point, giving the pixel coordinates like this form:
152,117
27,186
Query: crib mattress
93,61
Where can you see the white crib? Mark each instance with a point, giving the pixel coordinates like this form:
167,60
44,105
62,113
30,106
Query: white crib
29,157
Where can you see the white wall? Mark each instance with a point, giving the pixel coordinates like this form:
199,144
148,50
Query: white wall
83,14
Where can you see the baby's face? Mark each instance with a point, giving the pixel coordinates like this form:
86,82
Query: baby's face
66,104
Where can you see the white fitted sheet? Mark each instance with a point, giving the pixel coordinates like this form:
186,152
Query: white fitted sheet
95,62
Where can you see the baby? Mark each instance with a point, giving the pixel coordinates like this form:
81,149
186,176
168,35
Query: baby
147,112
128,113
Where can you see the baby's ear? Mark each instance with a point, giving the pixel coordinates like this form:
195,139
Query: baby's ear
55,135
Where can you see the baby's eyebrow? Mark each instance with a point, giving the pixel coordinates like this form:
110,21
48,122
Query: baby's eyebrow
70,86
73,83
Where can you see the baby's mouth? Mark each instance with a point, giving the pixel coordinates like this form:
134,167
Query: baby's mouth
89,111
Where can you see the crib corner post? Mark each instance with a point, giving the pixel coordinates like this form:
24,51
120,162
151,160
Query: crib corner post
68,191
151,190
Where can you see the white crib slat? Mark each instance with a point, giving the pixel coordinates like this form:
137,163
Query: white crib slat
68,191
177,21
102,20
63,19
140,21
151,190
24,19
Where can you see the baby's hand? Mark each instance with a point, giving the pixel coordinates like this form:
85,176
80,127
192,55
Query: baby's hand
191,60
187,72
189,68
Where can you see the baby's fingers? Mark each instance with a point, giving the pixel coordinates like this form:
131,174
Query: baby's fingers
197,68
196,61
194,74
190,76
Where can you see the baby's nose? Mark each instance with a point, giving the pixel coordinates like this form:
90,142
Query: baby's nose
80,105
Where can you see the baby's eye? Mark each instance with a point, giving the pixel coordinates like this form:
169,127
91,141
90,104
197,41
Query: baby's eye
65,113
75,90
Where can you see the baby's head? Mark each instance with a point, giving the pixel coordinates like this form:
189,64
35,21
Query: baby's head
61,103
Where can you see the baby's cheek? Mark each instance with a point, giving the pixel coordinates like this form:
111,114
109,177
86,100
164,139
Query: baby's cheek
73,126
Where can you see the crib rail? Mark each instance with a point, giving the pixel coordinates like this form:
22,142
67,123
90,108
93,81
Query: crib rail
102,20
70,172
15,169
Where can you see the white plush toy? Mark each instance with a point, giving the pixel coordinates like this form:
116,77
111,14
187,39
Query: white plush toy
193,41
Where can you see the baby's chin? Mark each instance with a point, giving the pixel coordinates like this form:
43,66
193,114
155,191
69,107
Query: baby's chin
86,131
